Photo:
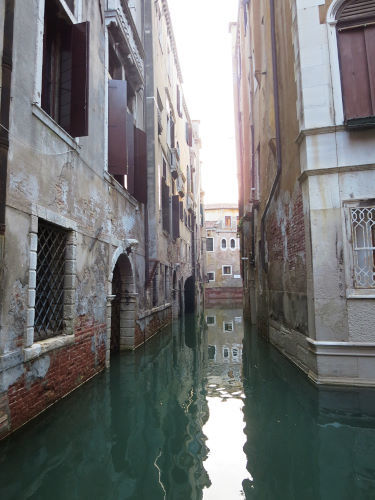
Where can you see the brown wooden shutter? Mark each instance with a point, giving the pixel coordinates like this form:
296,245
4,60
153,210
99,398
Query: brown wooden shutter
117,103
140,165
165,204
355,10
354,74
370,51
175,216
130,148
79,125
182,211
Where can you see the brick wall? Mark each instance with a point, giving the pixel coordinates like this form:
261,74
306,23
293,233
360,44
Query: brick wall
68,368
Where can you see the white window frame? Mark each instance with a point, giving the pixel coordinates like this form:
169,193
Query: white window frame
213,272
353,292
226,358
221,244
211,324
228,323
213,243
235,244
226,274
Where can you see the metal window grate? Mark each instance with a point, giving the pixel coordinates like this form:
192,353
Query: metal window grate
363,228
49,300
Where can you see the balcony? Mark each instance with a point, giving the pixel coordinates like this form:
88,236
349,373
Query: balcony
175,162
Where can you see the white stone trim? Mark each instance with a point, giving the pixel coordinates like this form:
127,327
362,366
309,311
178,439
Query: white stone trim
334,62
32,350
333,348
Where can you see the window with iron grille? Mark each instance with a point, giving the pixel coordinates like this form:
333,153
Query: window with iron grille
363,233
50,273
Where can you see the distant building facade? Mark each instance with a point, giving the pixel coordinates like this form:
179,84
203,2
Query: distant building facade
304,94
93,257
223,278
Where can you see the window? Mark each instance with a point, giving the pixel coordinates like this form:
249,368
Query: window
165,204
232,243
225,352
228,221
211,320
356,46
228,326
127,156
223,244
50,274
65,76
210,244
212,352
227,270
363,236
211,276
175,216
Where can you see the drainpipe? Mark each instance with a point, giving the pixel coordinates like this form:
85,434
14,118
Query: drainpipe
6,70
278,141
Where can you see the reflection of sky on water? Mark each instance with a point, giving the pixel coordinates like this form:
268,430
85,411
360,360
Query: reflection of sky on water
226,461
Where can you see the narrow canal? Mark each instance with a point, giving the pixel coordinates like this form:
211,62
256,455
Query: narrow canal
197,413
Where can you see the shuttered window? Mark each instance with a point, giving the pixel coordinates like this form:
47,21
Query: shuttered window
65,75
356,45
165,205
175,216
117,149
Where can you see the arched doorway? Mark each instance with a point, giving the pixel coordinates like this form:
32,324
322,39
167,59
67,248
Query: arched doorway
123,306
189,295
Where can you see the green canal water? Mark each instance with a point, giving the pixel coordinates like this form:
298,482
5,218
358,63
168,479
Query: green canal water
205,410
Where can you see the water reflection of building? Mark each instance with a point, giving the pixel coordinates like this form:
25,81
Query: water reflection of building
304,442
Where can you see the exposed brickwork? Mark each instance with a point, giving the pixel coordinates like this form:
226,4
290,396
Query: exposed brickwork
286,233
224,293
68,368
156,323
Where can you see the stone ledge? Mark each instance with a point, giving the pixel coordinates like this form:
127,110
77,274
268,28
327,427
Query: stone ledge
44,346
154,310
329,348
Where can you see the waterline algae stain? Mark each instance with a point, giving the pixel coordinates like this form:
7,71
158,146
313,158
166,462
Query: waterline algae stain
197,412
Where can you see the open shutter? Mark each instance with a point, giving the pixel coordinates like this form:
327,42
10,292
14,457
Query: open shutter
165,205
182,211
79,122
175,216
117,151
140,165
130,148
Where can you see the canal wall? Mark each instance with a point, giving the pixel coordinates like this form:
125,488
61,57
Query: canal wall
28,389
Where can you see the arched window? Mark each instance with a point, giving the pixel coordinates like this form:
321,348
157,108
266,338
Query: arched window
356,46
233,243
223,244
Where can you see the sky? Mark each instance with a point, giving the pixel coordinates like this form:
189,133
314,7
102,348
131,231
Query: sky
201,29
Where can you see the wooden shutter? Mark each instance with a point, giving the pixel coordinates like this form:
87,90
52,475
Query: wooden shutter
182,211
140,165
355,10
117,103
130,147
356,61
178,101
79,125
175,216
165,205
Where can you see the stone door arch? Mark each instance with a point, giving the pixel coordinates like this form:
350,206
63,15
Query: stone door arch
122,306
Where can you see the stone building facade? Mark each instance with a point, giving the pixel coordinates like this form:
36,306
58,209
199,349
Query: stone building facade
304,96
76,194
223,277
